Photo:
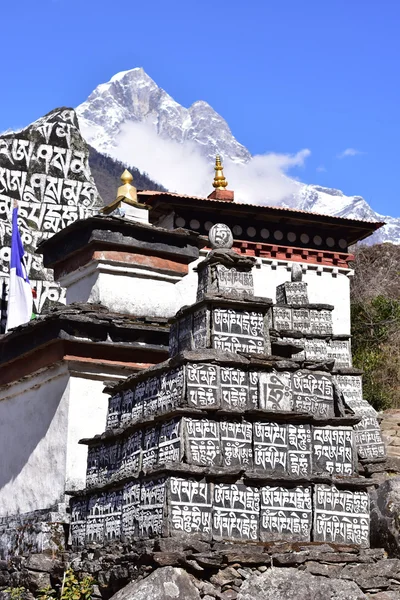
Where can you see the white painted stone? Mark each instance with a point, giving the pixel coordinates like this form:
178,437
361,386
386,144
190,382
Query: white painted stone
123,288
42,418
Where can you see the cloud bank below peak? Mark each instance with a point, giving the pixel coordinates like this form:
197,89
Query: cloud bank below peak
181,167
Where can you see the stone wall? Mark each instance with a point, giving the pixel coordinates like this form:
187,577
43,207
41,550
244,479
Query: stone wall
390,426
220,571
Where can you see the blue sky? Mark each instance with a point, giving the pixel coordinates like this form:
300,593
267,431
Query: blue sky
285,74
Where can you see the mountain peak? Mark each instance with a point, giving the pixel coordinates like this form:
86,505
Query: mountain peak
134,120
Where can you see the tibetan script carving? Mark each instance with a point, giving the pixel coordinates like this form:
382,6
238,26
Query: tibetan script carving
292,292
234,389
190,507
333,450
275,391
236,444
236,510
170,447
341,516
238,331
152,507
130,509
312,393
202,385
286,513
203,441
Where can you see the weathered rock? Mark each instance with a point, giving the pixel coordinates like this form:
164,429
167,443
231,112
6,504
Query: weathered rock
224,576
384,596
165,559
385,516
317,568
168,583
41,562
373,576
290,558
287,584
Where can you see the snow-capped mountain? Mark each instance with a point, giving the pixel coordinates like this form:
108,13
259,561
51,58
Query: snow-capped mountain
132,119
132,96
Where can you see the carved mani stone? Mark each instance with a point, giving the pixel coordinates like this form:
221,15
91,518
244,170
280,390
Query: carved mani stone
190,504
286,513
341,516
333,450
236,510
220,236
202,385
368,436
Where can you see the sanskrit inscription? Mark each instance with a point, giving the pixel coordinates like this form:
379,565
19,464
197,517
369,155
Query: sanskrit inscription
234,389
341,516
236,444
238,331
236,510
190,507
333,450
286,513
202,385
203,441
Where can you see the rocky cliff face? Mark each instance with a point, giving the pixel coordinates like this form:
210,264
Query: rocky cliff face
133,98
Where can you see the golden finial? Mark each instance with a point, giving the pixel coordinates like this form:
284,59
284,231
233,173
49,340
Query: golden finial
127,191
126,177
219,183
127,194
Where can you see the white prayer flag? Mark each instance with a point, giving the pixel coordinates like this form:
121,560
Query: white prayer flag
20,299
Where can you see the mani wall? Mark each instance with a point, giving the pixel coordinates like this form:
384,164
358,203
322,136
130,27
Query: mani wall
45,167
244,434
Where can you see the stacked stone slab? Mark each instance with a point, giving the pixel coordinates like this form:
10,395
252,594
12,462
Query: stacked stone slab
309,327
226,440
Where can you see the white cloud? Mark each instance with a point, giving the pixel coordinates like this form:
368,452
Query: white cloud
321,169
349,152
182,168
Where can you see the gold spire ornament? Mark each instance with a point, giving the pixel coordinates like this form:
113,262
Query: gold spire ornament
127,191
127,194
219,183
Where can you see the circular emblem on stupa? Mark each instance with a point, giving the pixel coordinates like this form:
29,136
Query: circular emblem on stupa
220,236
